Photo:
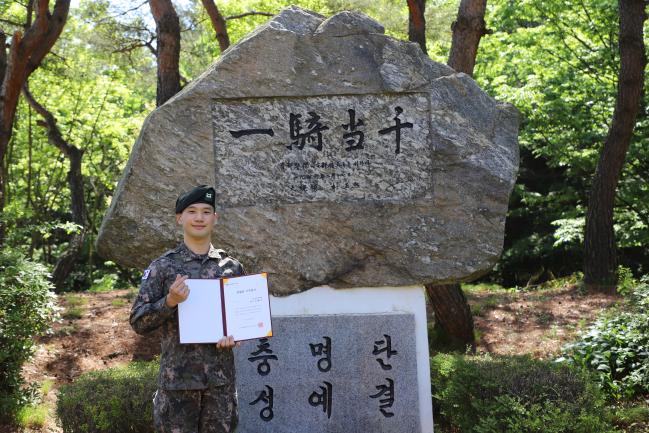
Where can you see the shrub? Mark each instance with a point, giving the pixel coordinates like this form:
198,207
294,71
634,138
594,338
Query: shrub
32,416
113,400
616,348
106,283
515,394
28,310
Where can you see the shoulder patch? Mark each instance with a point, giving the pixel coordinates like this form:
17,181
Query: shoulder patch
146,274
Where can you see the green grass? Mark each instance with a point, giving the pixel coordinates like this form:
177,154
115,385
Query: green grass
118,302
633,417
480,306
73,313
47,386
484,297
32,416
477,335
486,287
75,300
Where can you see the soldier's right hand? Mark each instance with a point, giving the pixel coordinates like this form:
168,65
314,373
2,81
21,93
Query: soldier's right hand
178,291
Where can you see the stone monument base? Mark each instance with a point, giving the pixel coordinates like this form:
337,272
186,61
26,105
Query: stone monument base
348,361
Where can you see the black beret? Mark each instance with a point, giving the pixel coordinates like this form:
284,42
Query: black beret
199,194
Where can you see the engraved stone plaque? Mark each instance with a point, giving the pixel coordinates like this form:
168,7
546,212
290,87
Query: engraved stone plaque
325,148
343,373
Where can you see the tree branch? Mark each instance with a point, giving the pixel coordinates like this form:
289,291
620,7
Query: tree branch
249,13
417,23
30,10
3,57
53,132
55,26
218,24
598,34
135,45
468,28
168,50
10,22
103,20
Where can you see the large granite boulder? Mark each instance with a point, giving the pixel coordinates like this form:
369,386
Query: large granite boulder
341,157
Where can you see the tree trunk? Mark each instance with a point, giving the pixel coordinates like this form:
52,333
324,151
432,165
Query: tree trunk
25,55
600,262
417,23
453,315
468,29
168,50
218,23
66,262
452,312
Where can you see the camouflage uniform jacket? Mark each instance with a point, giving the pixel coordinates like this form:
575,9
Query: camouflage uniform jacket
182,366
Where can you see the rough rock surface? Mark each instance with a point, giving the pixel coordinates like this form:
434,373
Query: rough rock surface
433,212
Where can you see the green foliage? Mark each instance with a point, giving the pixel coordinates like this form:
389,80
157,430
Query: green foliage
28,309
119,303
73,313
75,300
91,91
515,394
200,47
616,348
32,416
112,400
626,283
557,62
632,417
106,283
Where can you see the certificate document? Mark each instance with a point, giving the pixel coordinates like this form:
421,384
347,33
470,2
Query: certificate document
237,306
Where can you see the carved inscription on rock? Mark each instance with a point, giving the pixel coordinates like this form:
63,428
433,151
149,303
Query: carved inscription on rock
324,148
346,373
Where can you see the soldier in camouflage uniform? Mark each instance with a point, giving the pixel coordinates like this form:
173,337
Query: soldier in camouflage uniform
196,382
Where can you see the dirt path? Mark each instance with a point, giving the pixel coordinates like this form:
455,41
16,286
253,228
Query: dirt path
95,333
537,323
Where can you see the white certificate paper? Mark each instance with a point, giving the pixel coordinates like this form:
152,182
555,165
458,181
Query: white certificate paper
237,306
247,307
200,318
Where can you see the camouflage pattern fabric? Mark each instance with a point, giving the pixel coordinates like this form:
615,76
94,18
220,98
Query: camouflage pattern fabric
211,410
183,366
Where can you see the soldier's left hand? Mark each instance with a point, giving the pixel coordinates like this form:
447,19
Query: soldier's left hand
227,343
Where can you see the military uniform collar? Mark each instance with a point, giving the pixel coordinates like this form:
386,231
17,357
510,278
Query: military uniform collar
215,253
189,255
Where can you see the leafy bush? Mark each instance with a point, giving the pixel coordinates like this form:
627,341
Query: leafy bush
28,310
515,394
616,347
106,283
112,400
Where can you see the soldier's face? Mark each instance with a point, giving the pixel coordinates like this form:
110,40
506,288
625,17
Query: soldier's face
197,220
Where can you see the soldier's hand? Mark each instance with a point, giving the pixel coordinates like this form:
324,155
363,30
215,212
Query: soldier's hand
178,291
227,343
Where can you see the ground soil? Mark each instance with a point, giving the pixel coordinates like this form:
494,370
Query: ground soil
534,322
98,336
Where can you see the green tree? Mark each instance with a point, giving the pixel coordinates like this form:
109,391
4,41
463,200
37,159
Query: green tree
557,62
87,89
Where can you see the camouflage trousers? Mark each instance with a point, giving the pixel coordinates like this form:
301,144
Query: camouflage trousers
212,410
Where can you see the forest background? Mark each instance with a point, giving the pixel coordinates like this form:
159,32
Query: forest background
82,82
556,61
